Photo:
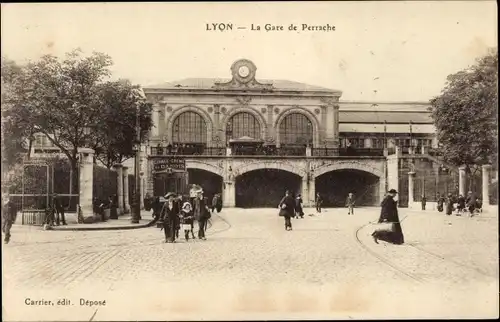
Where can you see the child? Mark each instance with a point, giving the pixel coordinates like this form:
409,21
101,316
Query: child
187,219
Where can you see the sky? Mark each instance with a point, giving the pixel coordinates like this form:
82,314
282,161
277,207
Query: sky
384,51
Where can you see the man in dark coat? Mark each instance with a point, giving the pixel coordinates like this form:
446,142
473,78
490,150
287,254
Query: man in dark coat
440,202
58,210
169,214
424,202
9,214
287,209
319,202
389,214
471,203
449,204
201,214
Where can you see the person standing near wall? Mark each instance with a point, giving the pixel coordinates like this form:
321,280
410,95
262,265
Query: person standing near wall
423,202
201,214
9,215
319,202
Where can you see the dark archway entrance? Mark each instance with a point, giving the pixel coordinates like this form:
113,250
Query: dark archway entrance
265,187
211,182
335,185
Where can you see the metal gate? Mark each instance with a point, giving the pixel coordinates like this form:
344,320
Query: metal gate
39,181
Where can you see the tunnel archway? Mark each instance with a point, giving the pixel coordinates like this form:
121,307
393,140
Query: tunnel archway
265,187
334,186
211,182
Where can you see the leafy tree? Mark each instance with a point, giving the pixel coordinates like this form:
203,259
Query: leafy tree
465,115
116,132
73,104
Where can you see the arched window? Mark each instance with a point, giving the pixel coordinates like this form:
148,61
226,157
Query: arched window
189,127
296,130
243,124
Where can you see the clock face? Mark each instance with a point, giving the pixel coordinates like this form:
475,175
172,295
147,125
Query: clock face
243,71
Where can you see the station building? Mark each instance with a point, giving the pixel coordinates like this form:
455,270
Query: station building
250,139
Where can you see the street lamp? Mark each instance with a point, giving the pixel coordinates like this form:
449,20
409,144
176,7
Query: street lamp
136,213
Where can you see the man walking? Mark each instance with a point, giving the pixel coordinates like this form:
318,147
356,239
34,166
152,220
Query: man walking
201,214
319,202
169,213
350,202
424,202
9,214
287,209
58,209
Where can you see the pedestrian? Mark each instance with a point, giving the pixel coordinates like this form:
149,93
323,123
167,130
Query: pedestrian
287,209
201,214
9,215
177,223
215,201
350,202
423,202
449,204
440,202
299,211
460,204
169,211
218,205
470,203
58,209
187,218
479,205
113,212
319,202
156,206
389,215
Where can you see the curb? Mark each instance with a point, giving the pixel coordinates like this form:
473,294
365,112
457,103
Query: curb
88,228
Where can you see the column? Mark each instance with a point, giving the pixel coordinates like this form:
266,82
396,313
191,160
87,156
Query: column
461,180
486,184
156,120
86,181
270,128
119,187
336,125
126,204
312,190
229,198
304,191
411,177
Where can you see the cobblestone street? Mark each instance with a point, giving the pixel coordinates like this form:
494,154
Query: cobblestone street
327,267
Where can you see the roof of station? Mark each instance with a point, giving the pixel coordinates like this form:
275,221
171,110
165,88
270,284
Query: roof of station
210,83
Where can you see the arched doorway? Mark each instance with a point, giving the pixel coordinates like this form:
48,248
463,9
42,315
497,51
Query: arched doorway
211,182
189,133
265,187
334,186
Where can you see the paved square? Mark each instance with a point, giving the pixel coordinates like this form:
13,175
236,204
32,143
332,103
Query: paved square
250,267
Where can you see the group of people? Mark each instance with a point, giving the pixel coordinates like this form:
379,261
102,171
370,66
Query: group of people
460,204
291,207
54,213
181,212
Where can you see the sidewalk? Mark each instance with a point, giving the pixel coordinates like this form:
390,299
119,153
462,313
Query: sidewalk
123,222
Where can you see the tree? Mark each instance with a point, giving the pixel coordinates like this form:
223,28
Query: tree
72,103
465,115
116,131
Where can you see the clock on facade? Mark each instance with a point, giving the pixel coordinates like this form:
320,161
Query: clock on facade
243,71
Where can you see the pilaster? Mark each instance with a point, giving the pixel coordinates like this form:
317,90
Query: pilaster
119,187
486,169
86,181
126,198
462,180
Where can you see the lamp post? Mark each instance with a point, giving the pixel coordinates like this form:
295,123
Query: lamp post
136,213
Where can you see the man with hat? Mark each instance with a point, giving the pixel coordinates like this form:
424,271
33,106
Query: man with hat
287,209
201,213
58,209
169,213
9,214
389,214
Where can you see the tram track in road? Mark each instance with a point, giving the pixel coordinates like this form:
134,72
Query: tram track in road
404,272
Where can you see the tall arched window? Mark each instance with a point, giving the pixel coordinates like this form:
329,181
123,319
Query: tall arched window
296,130
189,127
243,124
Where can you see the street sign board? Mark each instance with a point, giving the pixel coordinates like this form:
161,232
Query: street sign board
176,164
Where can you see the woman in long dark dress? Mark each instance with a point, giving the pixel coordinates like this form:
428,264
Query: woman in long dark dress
389,214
